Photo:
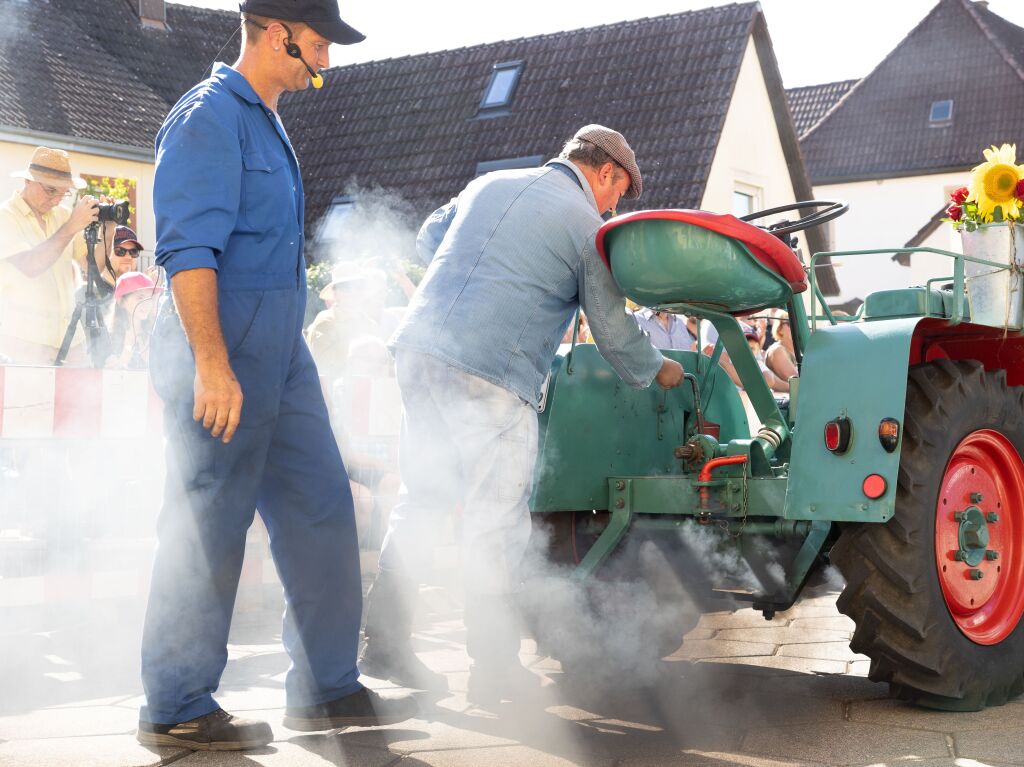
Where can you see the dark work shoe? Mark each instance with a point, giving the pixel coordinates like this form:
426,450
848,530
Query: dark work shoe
489,684
216,731
401,666
360,709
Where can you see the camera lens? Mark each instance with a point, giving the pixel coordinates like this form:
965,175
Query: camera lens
117,212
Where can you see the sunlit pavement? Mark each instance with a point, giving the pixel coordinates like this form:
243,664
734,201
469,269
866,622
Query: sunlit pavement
740,691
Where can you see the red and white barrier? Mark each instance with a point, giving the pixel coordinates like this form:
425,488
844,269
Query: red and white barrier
77,403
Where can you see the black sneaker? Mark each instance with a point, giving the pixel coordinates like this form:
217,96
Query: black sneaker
402,667
360,709
216,731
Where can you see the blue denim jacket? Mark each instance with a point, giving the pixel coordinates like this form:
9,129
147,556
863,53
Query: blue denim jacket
511,258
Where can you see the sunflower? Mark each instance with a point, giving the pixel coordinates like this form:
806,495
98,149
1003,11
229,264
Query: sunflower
994,183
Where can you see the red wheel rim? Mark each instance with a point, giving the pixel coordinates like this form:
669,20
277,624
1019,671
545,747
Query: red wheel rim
979,520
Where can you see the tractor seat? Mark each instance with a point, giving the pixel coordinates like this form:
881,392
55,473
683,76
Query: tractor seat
701,259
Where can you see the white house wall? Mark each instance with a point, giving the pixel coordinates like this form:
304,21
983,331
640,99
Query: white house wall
749,154
888,213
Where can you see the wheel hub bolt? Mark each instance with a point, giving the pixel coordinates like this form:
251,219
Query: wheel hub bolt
991,555
959,516
976,498
991,517
977,575
959,555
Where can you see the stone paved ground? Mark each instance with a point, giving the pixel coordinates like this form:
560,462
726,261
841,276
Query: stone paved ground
739,691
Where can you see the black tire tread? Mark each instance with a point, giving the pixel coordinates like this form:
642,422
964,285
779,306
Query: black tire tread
913,644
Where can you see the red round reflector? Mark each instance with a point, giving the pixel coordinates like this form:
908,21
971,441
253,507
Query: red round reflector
874,486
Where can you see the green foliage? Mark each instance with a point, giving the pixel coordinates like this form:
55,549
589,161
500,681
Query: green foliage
317,276
414,270
120,188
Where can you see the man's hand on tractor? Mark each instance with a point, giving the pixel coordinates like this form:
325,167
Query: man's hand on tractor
670,375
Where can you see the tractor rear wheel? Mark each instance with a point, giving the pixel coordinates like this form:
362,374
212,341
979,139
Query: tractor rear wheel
937,592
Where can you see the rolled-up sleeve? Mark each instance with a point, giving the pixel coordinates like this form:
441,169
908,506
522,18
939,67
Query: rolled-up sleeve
428,240
620,341
196,190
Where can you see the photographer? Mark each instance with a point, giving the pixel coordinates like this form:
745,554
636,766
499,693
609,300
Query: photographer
42,249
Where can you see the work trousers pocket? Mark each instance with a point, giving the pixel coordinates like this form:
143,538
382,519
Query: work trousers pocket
517,453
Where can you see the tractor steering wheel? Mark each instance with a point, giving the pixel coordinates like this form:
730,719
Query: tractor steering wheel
830,209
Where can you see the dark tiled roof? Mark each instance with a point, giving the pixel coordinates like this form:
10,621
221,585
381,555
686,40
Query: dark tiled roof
809,103
880,129
411,125
92,71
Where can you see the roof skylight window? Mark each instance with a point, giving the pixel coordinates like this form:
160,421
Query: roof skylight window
941,111
502,85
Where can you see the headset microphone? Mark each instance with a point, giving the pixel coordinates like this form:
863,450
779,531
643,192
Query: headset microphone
293,50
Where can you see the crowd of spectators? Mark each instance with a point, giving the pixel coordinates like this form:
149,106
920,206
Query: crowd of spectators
44,270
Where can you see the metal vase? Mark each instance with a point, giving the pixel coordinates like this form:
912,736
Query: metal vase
996,296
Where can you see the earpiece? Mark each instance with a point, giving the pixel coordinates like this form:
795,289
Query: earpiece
293,50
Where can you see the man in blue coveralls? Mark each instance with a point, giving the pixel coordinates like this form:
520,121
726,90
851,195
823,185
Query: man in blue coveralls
229,210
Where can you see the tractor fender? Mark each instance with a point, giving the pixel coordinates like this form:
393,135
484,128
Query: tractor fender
857,370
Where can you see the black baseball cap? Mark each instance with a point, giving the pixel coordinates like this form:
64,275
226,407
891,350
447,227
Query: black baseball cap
322,15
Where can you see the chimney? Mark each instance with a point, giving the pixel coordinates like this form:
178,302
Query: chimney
153,13
982,4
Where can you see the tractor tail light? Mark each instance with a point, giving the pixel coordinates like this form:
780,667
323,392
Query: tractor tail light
889,434
837,434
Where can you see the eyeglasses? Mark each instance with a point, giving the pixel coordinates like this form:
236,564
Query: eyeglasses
56,191
133,252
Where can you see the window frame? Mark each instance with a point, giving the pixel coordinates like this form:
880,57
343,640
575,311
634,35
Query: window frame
516,67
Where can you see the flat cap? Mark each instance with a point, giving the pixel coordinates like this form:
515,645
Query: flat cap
322,15
614,143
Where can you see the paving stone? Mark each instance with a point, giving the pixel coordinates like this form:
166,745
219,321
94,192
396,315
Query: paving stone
809,610
783,635
842,687
102,751
902,714
717,648
694,758
832,622
845,743
823,650
469,730
737,620
69,722
859,668
784,664
304,751
1005,745
521,756
700,633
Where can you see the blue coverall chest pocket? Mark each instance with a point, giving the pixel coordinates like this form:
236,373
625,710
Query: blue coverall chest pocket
266,194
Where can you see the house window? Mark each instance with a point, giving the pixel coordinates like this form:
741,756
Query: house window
941,112
337,218
502,85
742,204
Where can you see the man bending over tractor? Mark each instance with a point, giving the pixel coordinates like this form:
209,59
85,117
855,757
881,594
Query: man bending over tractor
511,260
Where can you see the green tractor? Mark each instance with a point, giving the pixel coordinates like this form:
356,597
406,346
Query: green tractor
897,458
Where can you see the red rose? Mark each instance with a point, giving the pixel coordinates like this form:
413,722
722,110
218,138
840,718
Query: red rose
1019,193
955,212
960,195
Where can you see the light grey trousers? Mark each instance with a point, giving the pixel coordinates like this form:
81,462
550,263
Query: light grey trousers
469,444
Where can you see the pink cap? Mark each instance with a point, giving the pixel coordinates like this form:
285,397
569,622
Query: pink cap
130,282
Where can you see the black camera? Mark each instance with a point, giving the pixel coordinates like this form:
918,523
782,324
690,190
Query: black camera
117,212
